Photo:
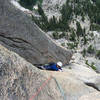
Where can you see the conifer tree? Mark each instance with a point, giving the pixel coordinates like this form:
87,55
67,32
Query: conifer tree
28,3
79,29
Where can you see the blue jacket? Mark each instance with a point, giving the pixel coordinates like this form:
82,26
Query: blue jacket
52,67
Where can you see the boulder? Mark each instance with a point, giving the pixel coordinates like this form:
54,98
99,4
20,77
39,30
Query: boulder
20,34
86,75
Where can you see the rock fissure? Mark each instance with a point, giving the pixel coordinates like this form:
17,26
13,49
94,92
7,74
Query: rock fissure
19,41
14,39
92,85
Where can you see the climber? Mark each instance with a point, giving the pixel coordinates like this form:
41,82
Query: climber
52,66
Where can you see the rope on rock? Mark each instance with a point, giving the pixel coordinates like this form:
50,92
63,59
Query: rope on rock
44,84
60,88
41,87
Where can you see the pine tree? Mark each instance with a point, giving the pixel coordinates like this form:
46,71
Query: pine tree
53,23
98,3
28,3
44,19
79,29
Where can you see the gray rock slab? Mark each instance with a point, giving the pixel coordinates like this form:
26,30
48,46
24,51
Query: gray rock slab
21,35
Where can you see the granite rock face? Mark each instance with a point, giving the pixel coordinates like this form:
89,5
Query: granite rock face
20,80
91,96
86,75
53,7
19,34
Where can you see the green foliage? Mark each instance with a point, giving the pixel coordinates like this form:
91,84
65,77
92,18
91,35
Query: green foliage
44,19
92,35
66,12
95,27
85,40
63,44
79,30
62,35
93,12
53,24
70,68
91,49
72,45
76,7
86,62
55,35
39,2
83,18
42,22
85,7
28,3
98,3
84,52
91,65
40,10
72,36
98,54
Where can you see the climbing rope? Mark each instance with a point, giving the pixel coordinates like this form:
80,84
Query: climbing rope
60,88
41,87
45,83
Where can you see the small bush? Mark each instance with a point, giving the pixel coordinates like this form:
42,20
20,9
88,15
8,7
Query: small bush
85,40
62,35
86,62
91,65
84,52
83,18
76,43
92,35
91,49
55,35
95,27
73,36
72,45
98,54
79,30
63,44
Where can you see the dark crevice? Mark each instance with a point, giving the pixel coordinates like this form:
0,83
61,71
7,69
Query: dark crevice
18,40
16,46
14,39
92,85
13,45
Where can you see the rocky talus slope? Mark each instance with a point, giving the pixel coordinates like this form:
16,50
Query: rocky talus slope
19,80
20,34
52,7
